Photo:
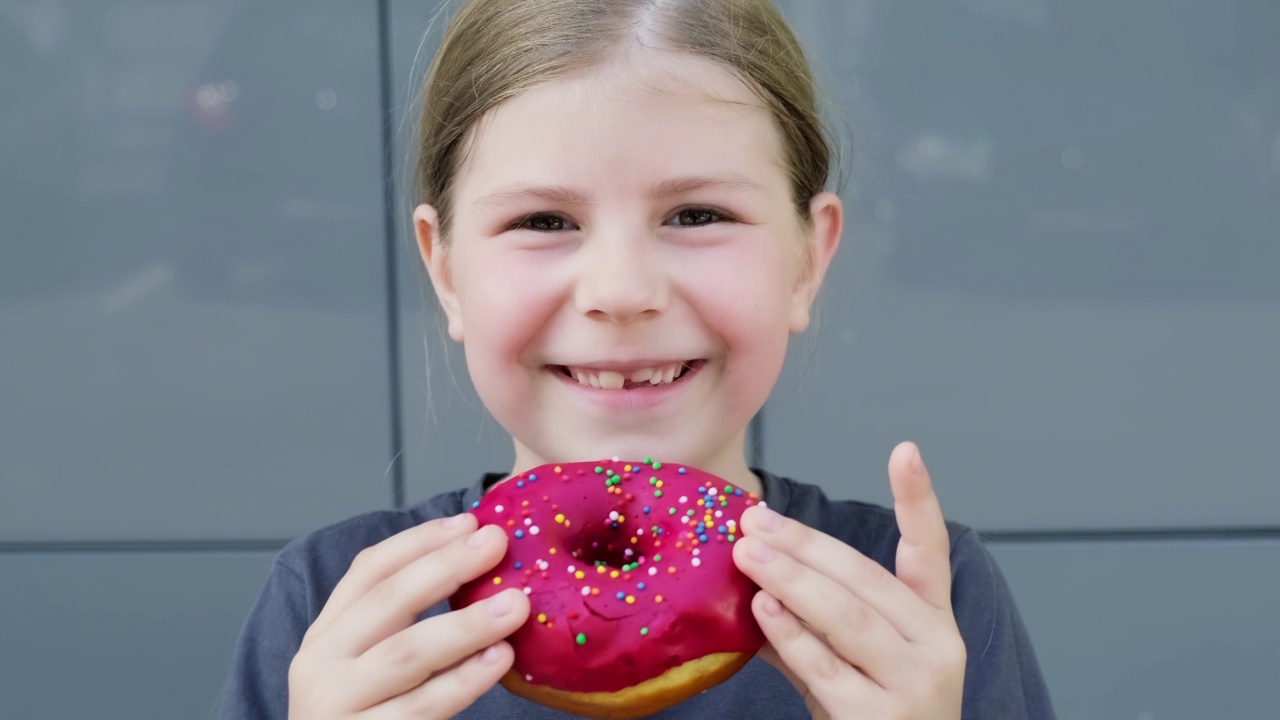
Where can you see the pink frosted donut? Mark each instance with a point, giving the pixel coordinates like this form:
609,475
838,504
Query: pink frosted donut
636,602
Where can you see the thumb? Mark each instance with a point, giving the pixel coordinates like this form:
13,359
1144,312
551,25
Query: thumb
924,552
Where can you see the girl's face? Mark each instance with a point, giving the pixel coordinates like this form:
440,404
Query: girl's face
625,264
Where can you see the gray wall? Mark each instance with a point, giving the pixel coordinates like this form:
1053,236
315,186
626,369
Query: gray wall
1061,276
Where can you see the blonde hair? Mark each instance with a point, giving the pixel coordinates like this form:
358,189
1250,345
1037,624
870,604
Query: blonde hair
494,50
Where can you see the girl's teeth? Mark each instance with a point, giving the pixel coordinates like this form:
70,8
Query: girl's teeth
611,380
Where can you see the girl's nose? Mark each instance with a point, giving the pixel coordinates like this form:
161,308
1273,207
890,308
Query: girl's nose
621,279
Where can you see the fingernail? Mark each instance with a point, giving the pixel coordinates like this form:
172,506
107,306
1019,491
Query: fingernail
759,551
767,519
500,604
478,539
455,521
490,655
917,463
771,605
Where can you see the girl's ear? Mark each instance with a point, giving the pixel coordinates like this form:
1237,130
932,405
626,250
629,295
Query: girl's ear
827,221
426,226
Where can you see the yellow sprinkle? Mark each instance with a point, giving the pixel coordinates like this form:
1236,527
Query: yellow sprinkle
497,581
600,569
579,575
659,483
553,551
542,617
613,574
560,517
631,599
626,468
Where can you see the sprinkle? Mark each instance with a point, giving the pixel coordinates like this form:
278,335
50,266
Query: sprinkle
657,598
653,571
519,534
552,551
579,574
542,617
644,631
648,461
680,470
586,590
640,586
621,594
657,558
671,511
534,530
671,570
498,508
657,493
600,569
631,599
557,468
657,465
595,591
626,468
696,562
475,505
533,478
599,469
653,481
497,580
581,639
613,574
683,499
646,509
520,484
519,565
559,518
528,590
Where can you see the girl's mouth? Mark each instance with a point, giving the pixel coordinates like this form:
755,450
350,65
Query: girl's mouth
633,379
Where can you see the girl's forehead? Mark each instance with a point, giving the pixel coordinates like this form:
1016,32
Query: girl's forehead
660,97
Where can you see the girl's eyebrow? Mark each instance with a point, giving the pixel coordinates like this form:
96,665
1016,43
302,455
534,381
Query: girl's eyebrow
563,195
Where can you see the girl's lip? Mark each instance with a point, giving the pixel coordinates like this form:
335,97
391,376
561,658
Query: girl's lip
634,399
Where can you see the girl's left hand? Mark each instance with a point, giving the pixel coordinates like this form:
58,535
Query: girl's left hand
856,641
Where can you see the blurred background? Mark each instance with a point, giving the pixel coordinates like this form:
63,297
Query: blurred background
1061,276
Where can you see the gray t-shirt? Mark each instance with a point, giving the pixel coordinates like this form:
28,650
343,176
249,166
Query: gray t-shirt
1002,677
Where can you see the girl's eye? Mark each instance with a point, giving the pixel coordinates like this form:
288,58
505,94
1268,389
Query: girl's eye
697,217
542,222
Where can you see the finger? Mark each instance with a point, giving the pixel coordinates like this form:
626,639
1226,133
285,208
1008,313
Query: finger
378,562
816,672
397,601
855,572
450,692
407,659
850,626
924,552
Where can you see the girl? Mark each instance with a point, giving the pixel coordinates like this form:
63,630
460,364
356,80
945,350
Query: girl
615,190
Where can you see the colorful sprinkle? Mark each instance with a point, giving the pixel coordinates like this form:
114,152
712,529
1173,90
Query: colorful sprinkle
581,639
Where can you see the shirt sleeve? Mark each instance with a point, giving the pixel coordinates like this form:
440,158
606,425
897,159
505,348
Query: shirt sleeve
1002,676
257,686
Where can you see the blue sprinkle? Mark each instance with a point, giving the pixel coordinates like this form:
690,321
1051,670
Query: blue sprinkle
722,529
702,491
621,595
703,537
533,478
641,586
681,471
615,526
520,484
701,527
475,505
519,534
737,491
519,564
646,510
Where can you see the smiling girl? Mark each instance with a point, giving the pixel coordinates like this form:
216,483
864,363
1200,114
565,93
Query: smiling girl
624,217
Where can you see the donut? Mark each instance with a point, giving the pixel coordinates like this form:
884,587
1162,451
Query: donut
636,603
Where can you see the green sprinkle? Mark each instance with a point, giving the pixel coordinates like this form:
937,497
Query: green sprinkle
657,493
657,465
672,511
644,631
653,481
657,558
731,538
582,638
728,488
647,461
599,469
690,513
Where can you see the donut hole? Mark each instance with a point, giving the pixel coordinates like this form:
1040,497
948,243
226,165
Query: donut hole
606,546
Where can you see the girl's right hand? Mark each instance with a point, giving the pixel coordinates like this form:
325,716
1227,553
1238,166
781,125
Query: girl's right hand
367,656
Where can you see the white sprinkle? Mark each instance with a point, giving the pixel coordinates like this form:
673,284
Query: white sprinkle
653,571
533,530
683,499
640,531
528,521
627,552
615,458
572,569
696,562
528,678
586,591
697,551
528,590
712,492
719,514
497,508
613,515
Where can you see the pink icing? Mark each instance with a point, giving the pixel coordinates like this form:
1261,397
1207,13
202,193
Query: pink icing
670,596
